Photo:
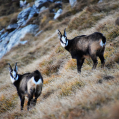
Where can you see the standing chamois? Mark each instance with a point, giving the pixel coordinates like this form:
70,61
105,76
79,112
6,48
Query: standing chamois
28,84
80,47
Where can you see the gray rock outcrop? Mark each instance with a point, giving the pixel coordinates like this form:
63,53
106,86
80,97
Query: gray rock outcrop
14,37
72,2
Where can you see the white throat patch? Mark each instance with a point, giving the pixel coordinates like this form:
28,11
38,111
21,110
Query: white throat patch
14,79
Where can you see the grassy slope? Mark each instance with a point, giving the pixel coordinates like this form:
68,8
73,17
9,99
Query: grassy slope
66,94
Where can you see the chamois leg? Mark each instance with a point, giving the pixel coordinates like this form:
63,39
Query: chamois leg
30,97
95,62
36,96
35,100
79,64
22,98
102,60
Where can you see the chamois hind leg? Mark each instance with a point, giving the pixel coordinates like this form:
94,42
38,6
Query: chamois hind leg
37,94
79,64
102,60
35,100
30,97
95,62
22,98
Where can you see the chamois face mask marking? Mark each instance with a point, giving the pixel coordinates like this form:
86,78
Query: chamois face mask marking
13,76
64,41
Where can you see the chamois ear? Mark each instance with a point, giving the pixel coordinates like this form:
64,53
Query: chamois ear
10,68
59,34
16,68
65,33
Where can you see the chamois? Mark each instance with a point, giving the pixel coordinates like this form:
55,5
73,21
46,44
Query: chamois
28,84
80,47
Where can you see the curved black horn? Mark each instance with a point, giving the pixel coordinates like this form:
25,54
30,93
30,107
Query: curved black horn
15,66
10,68
64,32
59,32
9,65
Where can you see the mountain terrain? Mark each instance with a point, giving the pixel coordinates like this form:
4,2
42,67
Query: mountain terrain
66,94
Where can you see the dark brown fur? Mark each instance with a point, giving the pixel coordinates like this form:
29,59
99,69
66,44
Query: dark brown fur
26,87
83,46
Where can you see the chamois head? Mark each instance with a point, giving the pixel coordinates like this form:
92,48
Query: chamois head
63,38
13,73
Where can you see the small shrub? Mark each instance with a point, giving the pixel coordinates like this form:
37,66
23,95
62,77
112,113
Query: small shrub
70,87
49,79
113,34
71,64
112,60
85,20
6,104
50,69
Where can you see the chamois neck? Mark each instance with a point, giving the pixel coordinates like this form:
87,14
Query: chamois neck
69,44
16,83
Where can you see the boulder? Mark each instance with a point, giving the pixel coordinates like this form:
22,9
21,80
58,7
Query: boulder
72,2
100,1
39,3
12,27
3,35
14,37
22,3
58,13
23,16
1,32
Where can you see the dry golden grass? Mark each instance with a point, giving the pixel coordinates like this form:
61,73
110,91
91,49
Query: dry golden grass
93,94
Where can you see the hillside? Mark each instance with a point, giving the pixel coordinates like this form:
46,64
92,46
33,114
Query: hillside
93,94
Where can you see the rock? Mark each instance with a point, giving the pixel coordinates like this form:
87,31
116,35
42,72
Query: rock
43,8
39,3
117,21
14,37
37,10
57,5
23,16
12,27
1,32
58,2
100,1
22,3
58,13
4,35
39,33
23,42
72,2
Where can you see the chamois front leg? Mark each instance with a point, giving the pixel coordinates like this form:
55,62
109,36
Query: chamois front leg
102,60
22,98
95,62
79,64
